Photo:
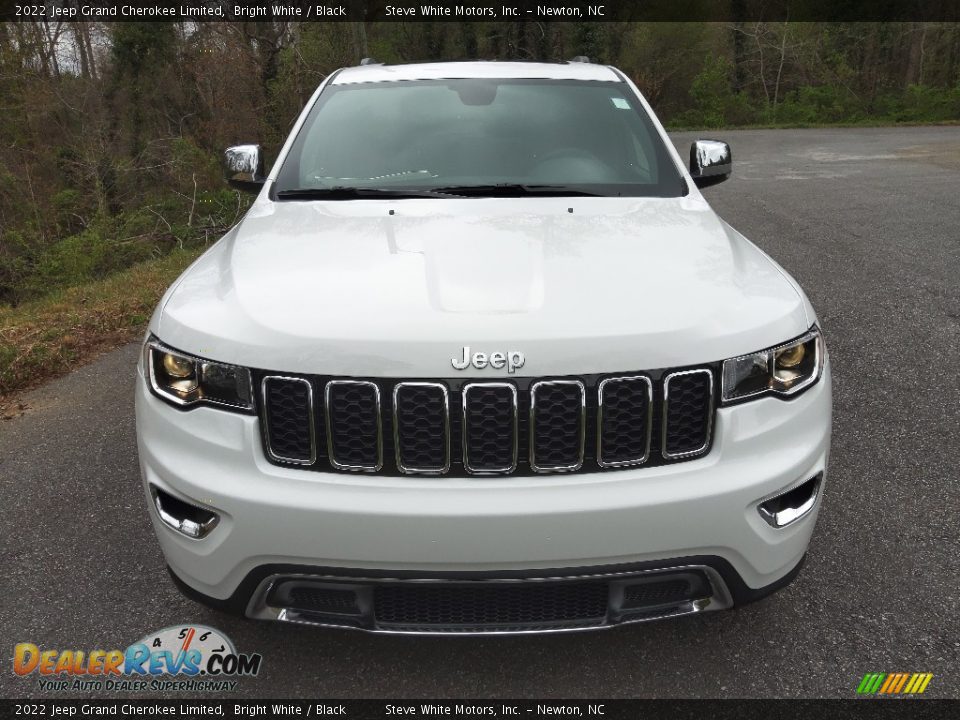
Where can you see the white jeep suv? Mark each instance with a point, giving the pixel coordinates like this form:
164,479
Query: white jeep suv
480,358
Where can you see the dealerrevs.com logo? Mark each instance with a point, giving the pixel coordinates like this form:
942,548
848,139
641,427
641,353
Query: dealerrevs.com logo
180,657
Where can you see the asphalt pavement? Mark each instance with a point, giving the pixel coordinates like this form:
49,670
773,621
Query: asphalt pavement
867,220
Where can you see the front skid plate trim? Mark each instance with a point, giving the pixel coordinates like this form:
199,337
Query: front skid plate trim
239,601
718,599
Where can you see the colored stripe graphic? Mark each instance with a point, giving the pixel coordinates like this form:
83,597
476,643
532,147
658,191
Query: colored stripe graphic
871,683
897,684
901,682
894,683
885,688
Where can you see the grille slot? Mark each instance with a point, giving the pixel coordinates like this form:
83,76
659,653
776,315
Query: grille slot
624,421
489,604
490,428
313,597
666,591
688,413
661,589
421,427
354,432
557,425
323,600
288,419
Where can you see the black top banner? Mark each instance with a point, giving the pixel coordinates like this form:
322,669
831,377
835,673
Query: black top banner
479,10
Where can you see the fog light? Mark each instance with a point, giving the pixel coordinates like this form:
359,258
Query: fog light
190,520
788,507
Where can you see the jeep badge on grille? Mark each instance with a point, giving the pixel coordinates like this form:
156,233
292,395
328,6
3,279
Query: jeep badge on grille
512,359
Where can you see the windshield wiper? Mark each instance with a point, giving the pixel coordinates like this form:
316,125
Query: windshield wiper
358,193
341,192
516,190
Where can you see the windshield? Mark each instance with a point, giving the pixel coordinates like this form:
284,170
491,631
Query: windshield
478,137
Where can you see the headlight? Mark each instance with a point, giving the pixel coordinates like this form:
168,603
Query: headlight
185,380
783,370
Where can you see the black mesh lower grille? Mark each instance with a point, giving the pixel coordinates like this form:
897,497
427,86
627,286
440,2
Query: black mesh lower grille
353,417
489,435
422,427
689,412
497,604
557,437
287,410
625,409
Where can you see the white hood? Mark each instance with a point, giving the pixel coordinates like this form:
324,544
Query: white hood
346,288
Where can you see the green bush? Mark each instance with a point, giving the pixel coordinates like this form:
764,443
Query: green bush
814,105
716,104
923,103
818,104
711,92
77,259
71,261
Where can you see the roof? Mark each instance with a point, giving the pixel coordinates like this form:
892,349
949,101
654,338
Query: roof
479,69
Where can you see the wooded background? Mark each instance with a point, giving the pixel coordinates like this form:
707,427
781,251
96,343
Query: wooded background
110,134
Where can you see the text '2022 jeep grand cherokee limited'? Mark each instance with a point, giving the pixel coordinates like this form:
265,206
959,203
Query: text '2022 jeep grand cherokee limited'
481,358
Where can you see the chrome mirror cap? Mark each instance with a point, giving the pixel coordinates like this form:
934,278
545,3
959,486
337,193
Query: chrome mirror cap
711,162
243,167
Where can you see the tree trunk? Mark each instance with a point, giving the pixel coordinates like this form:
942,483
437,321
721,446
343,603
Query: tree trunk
916,34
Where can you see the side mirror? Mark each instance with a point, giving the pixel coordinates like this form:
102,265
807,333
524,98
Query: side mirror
243,167
710,162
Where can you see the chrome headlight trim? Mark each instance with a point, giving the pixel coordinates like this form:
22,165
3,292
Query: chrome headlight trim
153,345
768,358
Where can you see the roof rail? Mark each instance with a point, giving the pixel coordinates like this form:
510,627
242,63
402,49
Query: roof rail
370,61
579,59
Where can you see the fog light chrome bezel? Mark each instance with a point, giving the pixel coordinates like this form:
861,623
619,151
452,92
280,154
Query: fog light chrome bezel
188,527
788,516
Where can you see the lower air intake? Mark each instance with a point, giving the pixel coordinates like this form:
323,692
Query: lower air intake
494,604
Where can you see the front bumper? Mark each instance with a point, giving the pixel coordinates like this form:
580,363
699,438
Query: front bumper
276,522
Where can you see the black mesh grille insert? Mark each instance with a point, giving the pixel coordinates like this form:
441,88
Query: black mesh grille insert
558,425
689,412
287,411
489,432
495,604
422,427
656,593
317,599
624,420
353,421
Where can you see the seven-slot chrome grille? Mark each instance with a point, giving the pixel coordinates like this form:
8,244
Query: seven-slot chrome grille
455,427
